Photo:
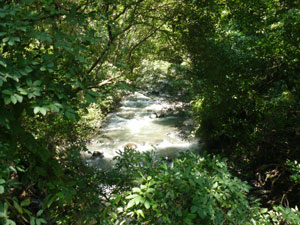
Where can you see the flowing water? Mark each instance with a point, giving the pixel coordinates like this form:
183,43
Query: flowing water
147,121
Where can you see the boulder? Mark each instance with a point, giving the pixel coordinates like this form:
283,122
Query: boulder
97,154
130,146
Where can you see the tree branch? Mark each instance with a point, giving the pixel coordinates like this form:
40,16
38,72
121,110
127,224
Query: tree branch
99,59
143,40
127,7
107,81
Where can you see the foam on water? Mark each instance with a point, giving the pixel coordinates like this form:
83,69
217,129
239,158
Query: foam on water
137,122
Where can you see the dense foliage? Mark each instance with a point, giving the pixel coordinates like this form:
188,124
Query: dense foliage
245,61
192,189
54,56
237,60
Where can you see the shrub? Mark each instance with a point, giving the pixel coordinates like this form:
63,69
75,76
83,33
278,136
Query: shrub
190,190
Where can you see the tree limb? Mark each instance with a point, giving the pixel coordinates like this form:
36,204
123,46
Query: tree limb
143,40
107,81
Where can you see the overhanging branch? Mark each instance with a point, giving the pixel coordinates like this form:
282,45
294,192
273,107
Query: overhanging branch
107,81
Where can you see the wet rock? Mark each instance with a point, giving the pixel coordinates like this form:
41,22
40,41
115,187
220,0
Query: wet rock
188,122
155,93
167,159
97,154
130,146
162,113
153,115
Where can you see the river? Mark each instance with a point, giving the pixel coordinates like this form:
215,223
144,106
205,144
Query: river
147,121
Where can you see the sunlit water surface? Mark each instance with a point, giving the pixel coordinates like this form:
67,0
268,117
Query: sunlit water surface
138,121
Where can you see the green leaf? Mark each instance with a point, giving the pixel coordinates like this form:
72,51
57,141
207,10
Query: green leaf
93,93
37,83
40,221
7,100
2,181
147,204
36,93
23,72
89,98
29,82
36,110
154,206
51,64
131,203
132,196
49,203
2,63
28,69
30,96
215,185
17,39
13,169
39,213
43,68
54,108
22,29
13,99
7,92
2,34
32,220
19,98
263,210
18,207
139,199
43,111
26,202
1,189
10,222
20,169
136,190
11,42
5,39
22,91
3,215
140,212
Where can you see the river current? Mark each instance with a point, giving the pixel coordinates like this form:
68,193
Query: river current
149,122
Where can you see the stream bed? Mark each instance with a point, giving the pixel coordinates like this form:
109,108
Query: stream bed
147,122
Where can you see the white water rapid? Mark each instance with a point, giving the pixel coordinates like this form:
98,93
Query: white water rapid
147,121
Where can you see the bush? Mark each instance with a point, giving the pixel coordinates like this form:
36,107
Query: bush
192,189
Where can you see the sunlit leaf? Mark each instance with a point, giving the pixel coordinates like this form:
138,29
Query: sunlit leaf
19,98
13,99
1,189
36,110
147,204
131,203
